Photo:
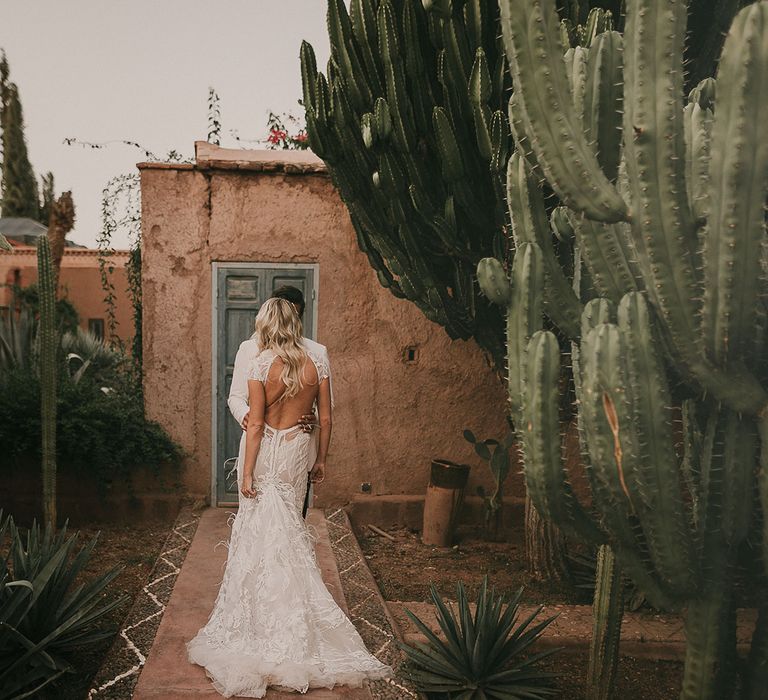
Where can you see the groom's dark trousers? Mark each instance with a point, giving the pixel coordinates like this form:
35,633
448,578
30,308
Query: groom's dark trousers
306,499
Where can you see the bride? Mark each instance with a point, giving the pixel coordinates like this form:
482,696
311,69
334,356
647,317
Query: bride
274,623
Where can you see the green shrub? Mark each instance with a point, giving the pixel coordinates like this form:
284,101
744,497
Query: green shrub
101,430
42,615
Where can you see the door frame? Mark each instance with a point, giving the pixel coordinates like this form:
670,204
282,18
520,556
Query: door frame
311,303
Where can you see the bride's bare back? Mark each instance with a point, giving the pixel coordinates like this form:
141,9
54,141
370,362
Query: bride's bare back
285,413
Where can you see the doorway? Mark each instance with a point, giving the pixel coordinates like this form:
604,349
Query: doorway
239,289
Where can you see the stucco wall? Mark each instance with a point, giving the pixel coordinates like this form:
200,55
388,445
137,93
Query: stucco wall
79,281
391,417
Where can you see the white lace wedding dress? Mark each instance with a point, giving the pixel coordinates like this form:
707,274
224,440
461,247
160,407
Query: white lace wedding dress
274,623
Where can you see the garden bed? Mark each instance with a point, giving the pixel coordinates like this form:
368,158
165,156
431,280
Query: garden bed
405,568
136,547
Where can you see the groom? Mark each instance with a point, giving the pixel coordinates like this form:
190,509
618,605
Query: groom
238,391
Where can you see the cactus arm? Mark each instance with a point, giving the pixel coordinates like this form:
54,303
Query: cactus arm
47,293
607,256
576,72
603,99
530,224
665,520
531,33
363,23
705,624
698,137
762,426
524,318
607,428
479,94
493,281
757,679
545,477
608,610
662,222
738,183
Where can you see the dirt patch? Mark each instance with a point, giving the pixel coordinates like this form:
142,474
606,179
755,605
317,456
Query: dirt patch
136,547
405,568
636,679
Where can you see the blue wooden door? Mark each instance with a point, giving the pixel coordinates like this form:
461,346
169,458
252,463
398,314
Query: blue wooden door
239,292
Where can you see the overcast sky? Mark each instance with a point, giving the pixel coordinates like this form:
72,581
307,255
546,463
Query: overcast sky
102,70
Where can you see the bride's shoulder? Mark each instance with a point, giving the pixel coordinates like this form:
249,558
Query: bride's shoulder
260,363
319,356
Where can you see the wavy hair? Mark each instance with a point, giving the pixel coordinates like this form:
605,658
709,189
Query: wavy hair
278,328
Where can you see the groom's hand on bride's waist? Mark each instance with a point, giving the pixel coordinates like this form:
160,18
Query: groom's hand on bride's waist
307,422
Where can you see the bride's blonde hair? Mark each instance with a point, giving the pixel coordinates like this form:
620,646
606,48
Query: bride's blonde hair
278,328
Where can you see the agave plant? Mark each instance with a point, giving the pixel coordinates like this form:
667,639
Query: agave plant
485,655
84,352
42,614
17,340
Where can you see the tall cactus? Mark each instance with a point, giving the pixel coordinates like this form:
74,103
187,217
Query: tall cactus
410,121
48,341
606,629
673,252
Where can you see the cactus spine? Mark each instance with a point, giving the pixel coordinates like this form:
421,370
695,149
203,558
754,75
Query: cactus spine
47,294
669,223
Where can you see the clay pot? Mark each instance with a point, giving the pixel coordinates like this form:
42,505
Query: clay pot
445,494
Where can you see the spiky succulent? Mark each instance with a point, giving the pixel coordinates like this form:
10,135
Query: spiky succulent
482,656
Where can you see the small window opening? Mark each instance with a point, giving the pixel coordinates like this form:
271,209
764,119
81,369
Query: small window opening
96,327
411,354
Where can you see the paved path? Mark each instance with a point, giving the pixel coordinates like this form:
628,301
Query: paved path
167,675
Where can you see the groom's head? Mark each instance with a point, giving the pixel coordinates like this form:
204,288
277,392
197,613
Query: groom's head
292,294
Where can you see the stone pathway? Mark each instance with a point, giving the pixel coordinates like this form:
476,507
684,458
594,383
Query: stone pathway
167,675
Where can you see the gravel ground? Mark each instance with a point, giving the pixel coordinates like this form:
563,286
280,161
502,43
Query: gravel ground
120,670
366,607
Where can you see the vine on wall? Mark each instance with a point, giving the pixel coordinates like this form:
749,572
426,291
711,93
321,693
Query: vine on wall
121,209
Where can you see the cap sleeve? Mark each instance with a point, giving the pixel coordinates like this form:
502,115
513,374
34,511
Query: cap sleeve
259,367
323,366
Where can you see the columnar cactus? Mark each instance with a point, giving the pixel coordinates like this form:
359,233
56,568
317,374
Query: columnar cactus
48,341
606,628
410,121
667,225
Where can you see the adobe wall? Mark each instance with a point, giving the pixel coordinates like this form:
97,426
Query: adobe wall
391,417
79,281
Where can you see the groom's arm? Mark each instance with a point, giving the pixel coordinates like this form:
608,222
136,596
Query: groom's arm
330,376
238,390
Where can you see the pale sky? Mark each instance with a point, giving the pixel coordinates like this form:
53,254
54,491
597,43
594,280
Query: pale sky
102,70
